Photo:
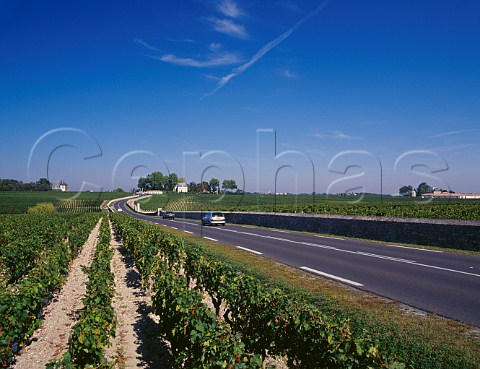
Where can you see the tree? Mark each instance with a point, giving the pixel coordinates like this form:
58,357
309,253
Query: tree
229,184
192,187
424,188
172,181
406,190
205,186
144,183
158,180
43,184
214,184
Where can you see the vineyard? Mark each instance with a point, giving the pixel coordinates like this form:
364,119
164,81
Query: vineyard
213,312
250,319
96,322
371,205
64,202
35,254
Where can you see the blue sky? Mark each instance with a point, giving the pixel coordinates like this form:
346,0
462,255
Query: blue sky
286,96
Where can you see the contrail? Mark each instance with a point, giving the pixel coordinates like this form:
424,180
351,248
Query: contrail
260,53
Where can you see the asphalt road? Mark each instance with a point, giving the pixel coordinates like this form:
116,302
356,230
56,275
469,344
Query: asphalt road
444,283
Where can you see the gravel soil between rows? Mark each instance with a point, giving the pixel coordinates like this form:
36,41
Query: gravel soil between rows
137,343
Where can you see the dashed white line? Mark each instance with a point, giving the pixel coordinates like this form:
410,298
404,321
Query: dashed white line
386,257
211,239
330,237
174,227
414,248
250,250
331,276
188,232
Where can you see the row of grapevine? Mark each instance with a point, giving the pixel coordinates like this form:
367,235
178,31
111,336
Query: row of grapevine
78,206
22,302
96,323
251,319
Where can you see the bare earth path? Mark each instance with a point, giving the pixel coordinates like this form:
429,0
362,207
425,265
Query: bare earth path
136,344
50,340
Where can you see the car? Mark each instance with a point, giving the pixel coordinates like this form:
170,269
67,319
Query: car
167,215
213,218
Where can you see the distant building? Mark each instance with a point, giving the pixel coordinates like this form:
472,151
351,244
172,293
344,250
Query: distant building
181,187
448,195
61,186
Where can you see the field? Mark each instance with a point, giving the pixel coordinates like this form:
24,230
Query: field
369,205
64,202
341,327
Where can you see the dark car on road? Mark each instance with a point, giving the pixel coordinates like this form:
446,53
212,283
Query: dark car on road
213,218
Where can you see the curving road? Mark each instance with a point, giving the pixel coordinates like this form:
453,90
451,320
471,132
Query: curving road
444,283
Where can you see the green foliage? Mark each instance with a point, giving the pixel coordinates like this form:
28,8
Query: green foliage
370,205
406,190
44,246
424,188
229,184
257,318
64,202
43,184
96,322
42,208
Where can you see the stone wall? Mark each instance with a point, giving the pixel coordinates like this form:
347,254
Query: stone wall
454,234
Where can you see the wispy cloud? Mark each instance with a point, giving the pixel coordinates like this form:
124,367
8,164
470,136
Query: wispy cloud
229,9
212,60
260,53
145,44
216,57
454,133
335,135
288,74
228,27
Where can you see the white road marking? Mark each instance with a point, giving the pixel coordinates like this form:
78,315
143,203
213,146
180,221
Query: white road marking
330,237
174,227
211,239
386,257
188,232
414,248
249,250
344,280
445,269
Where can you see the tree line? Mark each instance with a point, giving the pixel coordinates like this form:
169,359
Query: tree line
43,184
159,181
422,189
